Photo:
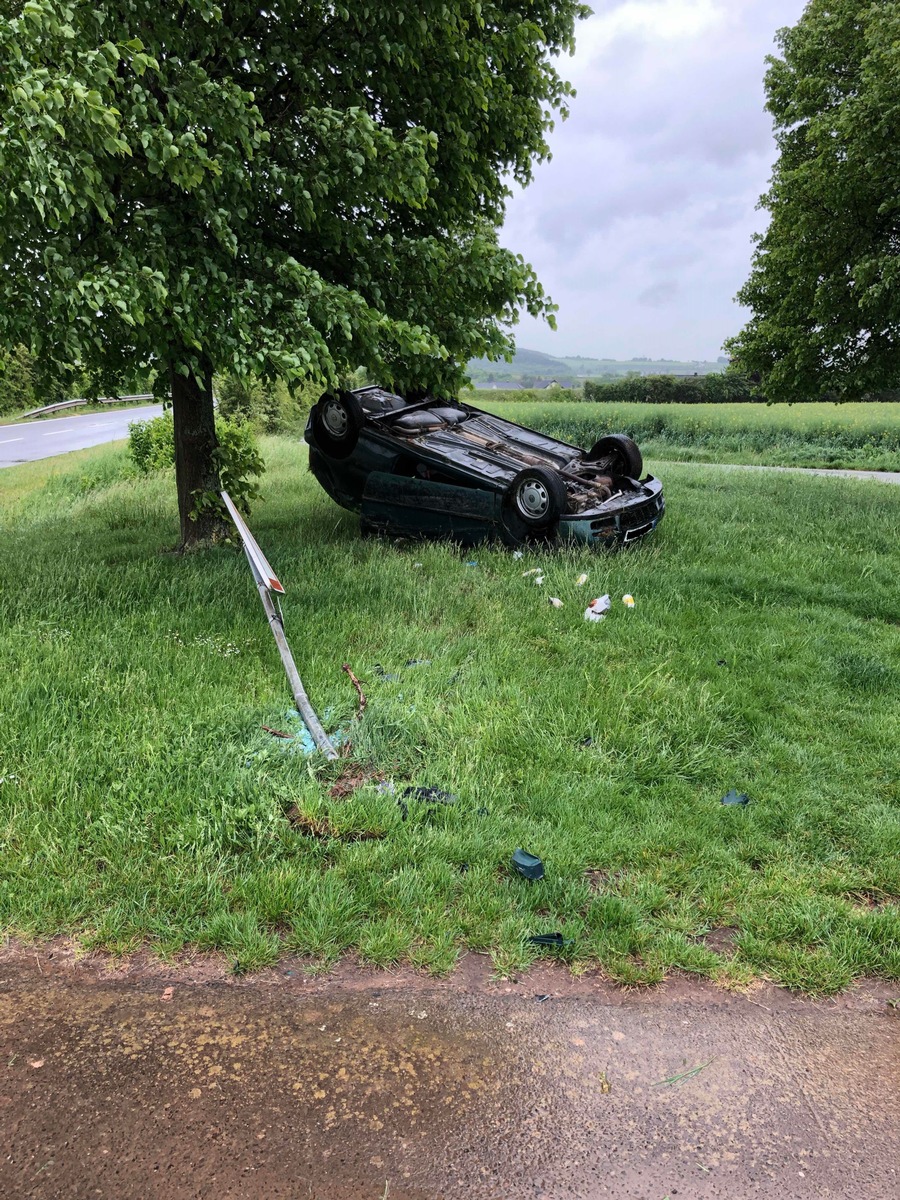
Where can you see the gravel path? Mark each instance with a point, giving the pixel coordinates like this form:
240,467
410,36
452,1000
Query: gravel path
878,476
136,1081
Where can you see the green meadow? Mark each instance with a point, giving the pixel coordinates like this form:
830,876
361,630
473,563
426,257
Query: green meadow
141,801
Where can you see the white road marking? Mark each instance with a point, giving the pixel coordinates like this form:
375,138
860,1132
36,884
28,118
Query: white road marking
56,433
3,441
125,412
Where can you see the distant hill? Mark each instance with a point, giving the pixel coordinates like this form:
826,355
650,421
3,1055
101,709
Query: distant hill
524,362
534,368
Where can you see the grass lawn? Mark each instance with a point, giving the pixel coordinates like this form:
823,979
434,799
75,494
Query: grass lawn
800,435
140,798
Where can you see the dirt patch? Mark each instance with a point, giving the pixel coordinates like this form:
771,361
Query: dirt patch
351,779
322,827
721,940
603,881
868,899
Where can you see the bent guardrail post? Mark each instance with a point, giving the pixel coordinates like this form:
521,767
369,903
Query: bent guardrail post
267,582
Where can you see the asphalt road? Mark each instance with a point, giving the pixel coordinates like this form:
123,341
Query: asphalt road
31,440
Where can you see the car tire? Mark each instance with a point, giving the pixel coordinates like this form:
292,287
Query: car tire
624,455
536,499
336,423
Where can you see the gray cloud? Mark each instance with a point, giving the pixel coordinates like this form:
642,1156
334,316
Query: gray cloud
659,295
651,193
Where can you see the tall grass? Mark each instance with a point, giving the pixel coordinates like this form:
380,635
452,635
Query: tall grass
141,799
812,435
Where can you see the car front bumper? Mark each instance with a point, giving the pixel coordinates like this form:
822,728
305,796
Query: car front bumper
615,523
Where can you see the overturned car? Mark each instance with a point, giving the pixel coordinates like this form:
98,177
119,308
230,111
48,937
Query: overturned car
432,469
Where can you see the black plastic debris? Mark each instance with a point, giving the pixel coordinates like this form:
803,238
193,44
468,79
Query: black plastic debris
427,795
528,865
379,670
734,797
721,662
549,939
586,742
541,999
417,662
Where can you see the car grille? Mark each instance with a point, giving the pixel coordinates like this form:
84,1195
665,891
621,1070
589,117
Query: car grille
631,518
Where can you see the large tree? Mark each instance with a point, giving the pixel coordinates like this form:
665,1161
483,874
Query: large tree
281,189
825,285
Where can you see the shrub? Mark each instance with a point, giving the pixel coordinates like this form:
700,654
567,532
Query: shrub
240,399
16,381
270,406
239,462
151,446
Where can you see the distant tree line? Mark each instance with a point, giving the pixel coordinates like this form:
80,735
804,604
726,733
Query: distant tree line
26,383
720,388
728,387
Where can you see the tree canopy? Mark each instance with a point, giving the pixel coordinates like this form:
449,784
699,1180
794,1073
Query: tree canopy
286,190
825,284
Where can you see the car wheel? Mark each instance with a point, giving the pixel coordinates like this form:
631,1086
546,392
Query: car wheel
537,498
336,423
622,453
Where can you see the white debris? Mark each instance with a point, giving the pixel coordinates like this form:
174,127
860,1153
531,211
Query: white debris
581,581
597,609
539,580
628,600
533,571
517,554
556,602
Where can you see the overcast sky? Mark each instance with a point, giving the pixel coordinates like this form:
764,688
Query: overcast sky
640,226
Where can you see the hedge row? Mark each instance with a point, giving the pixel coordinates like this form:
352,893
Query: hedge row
640,389
720,388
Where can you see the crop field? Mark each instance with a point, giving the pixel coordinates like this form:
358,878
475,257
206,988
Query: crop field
802,435
142,801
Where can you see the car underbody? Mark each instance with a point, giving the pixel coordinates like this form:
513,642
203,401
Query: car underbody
434,469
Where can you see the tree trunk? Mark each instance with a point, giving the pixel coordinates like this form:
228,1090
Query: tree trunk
195,465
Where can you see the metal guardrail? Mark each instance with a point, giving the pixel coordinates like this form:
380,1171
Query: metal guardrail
63,404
